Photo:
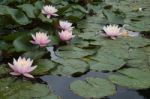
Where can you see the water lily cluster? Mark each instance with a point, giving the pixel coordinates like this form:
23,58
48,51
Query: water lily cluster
66,30
23,66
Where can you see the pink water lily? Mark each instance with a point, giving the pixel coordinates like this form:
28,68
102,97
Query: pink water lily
66,35
112,31
65,25
49,11
40,38
22,66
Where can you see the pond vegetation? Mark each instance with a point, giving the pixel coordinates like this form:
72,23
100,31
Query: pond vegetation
70,39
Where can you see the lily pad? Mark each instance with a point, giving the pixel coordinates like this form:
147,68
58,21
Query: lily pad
75,53
4,70
138,58
136,42
12,88
34,54
93,88
106,62
70,66
43,66
22,43
132,78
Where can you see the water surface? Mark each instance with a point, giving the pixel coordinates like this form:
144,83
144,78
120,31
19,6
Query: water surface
60,86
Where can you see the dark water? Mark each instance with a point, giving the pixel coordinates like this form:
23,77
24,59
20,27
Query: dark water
60,86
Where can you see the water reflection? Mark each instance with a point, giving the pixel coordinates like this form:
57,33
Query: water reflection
60,86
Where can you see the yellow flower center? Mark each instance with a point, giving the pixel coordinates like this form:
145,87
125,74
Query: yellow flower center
23,63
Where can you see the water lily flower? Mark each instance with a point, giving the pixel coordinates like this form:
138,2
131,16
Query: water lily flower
22,66
40,38
112,31
65,35
65,25
49,11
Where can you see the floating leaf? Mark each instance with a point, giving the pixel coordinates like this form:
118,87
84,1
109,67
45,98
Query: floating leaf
70,66
4,70
132,78
34,54
106,62
29,9
22,43
137,42
15,14
17,89
75,53
114,18
43,66
93,88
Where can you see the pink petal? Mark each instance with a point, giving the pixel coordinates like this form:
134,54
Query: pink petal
11,66
28,75
33,42
42,45
31,68
15,73
48,16
112,37
55,14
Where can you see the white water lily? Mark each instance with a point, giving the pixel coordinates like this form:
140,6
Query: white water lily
40,38
49,11
66,35
112,31
22,66
65,25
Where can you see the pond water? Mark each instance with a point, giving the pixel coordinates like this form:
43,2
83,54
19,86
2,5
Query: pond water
60,86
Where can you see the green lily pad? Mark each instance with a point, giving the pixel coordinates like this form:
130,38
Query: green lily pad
114,18
93,88
70,66
29,9
13,13
44,66
12,88
138,58
4,70
22,43
132,78
106,62
136,42
89,36
74,53
34,54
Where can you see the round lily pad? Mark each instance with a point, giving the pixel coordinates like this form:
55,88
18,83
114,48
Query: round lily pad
12,88
132,78
93,88
70,66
